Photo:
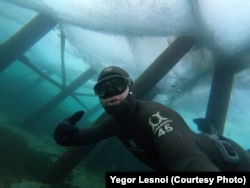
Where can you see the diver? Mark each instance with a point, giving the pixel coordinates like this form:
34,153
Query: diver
155,134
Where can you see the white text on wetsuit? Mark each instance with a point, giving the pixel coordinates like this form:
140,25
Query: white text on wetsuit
160,125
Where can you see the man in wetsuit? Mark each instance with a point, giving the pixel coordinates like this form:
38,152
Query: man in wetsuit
152,132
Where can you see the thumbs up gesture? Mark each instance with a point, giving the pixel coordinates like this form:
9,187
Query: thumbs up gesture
66,133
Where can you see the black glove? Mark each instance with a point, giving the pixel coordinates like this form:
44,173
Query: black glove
66,132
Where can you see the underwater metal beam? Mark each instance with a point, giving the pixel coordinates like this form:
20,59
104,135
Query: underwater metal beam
220,94
142,85
45,76
164,63
63,40
59,97
24,39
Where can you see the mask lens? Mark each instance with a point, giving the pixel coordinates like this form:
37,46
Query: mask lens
118,83
110,86
100,88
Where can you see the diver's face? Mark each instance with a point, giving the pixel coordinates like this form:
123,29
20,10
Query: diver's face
115,100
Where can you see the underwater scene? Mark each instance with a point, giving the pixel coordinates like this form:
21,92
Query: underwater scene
191,56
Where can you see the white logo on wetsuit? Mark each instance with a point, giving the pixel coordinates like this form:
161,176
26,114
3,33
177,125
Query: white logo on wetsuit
160,125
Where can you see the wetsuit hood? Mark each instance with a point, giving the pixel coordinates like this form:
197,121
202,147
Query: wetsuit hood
111,71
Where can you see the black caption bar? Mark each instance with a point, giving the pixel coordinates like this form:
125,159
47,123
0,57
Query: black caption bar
161,179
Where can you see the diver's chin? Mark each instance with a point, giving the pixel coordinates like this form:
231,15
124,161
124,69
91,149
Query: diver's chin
114,103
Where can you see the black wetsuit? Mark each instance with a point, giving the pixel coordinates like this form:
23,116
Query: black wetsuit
159,137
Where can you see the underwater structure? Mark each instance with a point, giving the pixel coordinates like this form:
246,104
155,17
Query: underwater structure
223,76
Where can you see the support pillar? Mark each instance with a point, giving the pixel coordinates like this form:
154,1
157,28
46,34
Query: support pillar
24,39
220,94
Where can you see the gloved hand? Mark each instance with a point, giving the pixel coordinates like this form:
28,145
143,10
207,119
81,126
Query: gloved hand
66,132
